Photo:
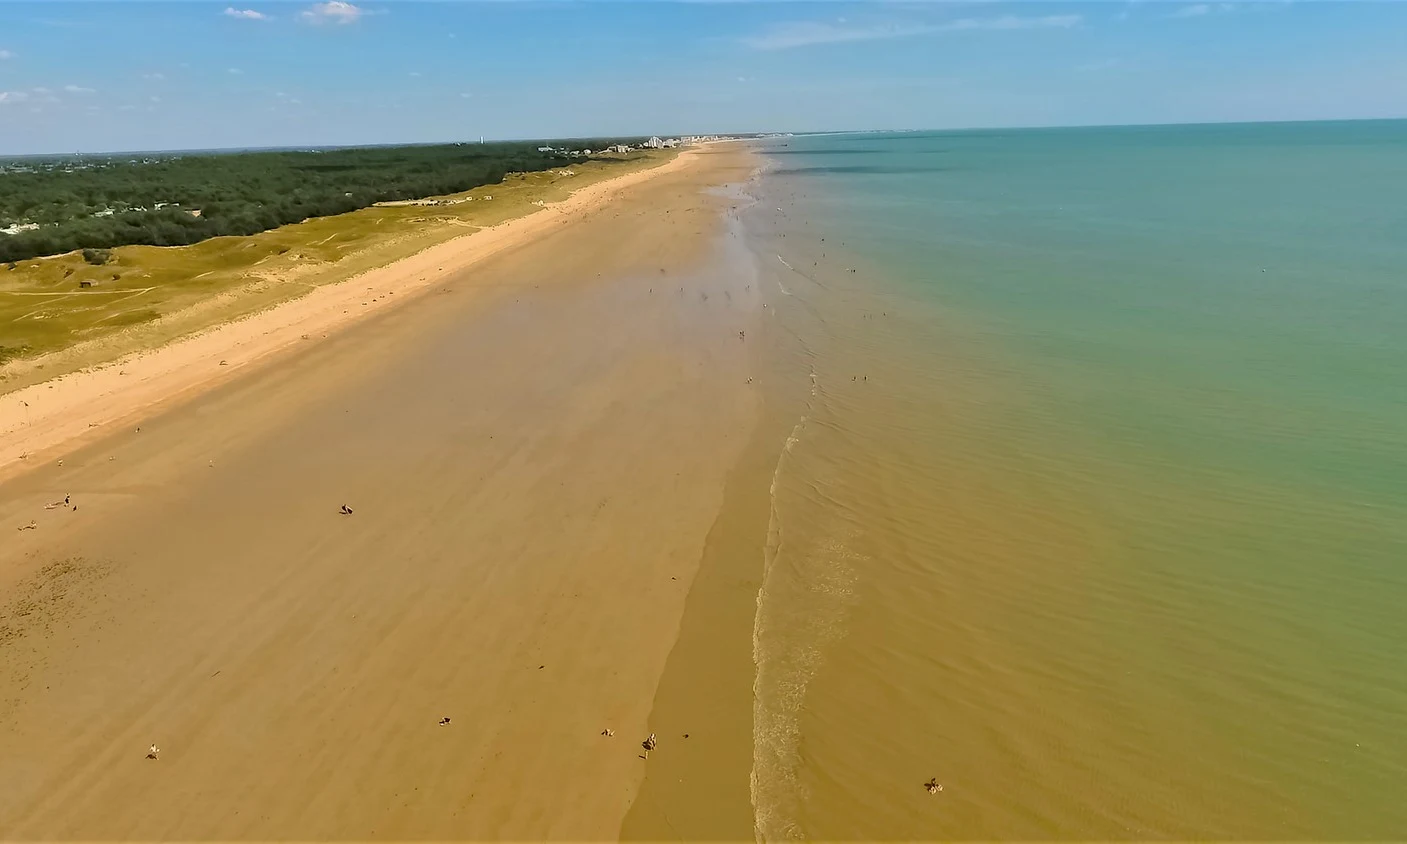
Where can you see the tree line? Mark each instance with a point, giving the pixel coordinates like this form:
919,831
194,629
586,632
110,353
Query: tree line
234,193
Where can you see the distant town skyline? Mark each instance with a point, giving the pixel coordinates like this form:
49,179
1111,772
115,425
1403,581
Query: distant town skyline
109,76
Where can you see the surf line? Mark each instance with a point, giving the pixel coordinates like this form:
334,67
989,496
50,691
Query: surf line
779,281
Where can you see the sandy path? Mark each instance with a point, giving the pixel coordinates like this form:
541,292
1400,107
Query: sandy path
41,421
534,458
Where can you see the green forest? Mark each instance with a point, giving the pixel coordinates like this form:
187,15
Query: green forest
96,202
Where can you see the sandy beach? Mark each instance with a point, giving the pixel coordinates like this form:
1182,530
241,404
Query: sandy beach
533,428
44,419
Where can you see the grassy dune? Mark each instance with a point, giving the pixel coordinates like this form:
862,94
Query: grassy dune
145,296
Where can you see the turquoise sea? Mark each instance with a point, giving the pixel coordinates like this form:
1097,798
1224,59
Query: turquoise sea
1093,507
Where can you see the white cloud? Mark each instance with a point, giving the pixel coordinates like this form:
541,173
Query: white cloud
155,77
154,99
415,73
466,96
1199,10
234,71
6,54
78,89
245,14
788,36
333,11
42,91
11,97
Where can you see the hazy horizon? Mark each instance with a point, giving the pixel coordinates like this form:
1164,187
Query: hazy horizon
745,135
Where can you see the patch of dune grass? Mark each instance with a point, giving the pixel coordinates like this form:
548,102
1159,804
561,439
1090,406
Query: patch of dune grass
143,296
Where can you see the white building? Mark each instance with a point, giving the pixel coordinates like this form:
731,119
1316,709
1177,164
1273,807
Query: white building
654,143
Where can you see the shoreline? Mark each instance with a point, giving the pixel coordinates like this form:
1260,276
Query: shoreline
537,469
45,420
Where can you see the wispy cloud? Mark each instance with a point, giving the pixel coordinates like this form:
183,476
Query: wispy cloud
154,77
466,96
415,74
234,71
245,14
333,11
12,97
6,54
78,89
1200,10
805,34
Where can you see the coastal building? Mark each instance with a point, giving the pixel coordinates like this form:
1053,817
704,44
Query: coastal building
654,143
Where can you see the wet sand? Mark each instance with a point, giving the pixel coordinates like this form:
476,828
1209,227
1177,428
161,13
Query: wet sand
535,455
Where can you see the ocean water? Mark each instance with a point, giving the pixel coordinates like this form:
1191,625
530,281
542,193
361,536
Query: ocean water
1092,503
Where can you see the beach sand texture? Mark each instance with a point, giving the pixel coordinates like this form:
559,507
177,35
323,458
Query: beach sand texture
53,413
534,454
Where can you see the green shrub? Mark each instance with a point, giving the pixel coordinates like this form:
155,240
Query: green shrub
97,257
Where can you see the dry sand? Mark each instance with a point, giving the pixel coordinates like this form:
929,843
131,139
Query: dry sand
41,421
534,453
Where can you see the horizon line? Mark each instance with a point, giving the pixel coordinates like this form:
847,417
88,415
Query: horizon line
753,135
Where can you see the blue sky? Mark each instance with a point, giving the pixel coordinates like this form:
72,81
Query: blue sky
173,75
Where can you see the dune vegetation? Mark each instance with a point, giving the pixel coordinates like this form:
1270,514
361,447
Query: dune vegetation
63,312
51,206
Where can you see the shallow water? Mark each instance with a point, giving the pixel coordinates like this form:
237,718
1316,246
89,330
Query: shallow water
1093,501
